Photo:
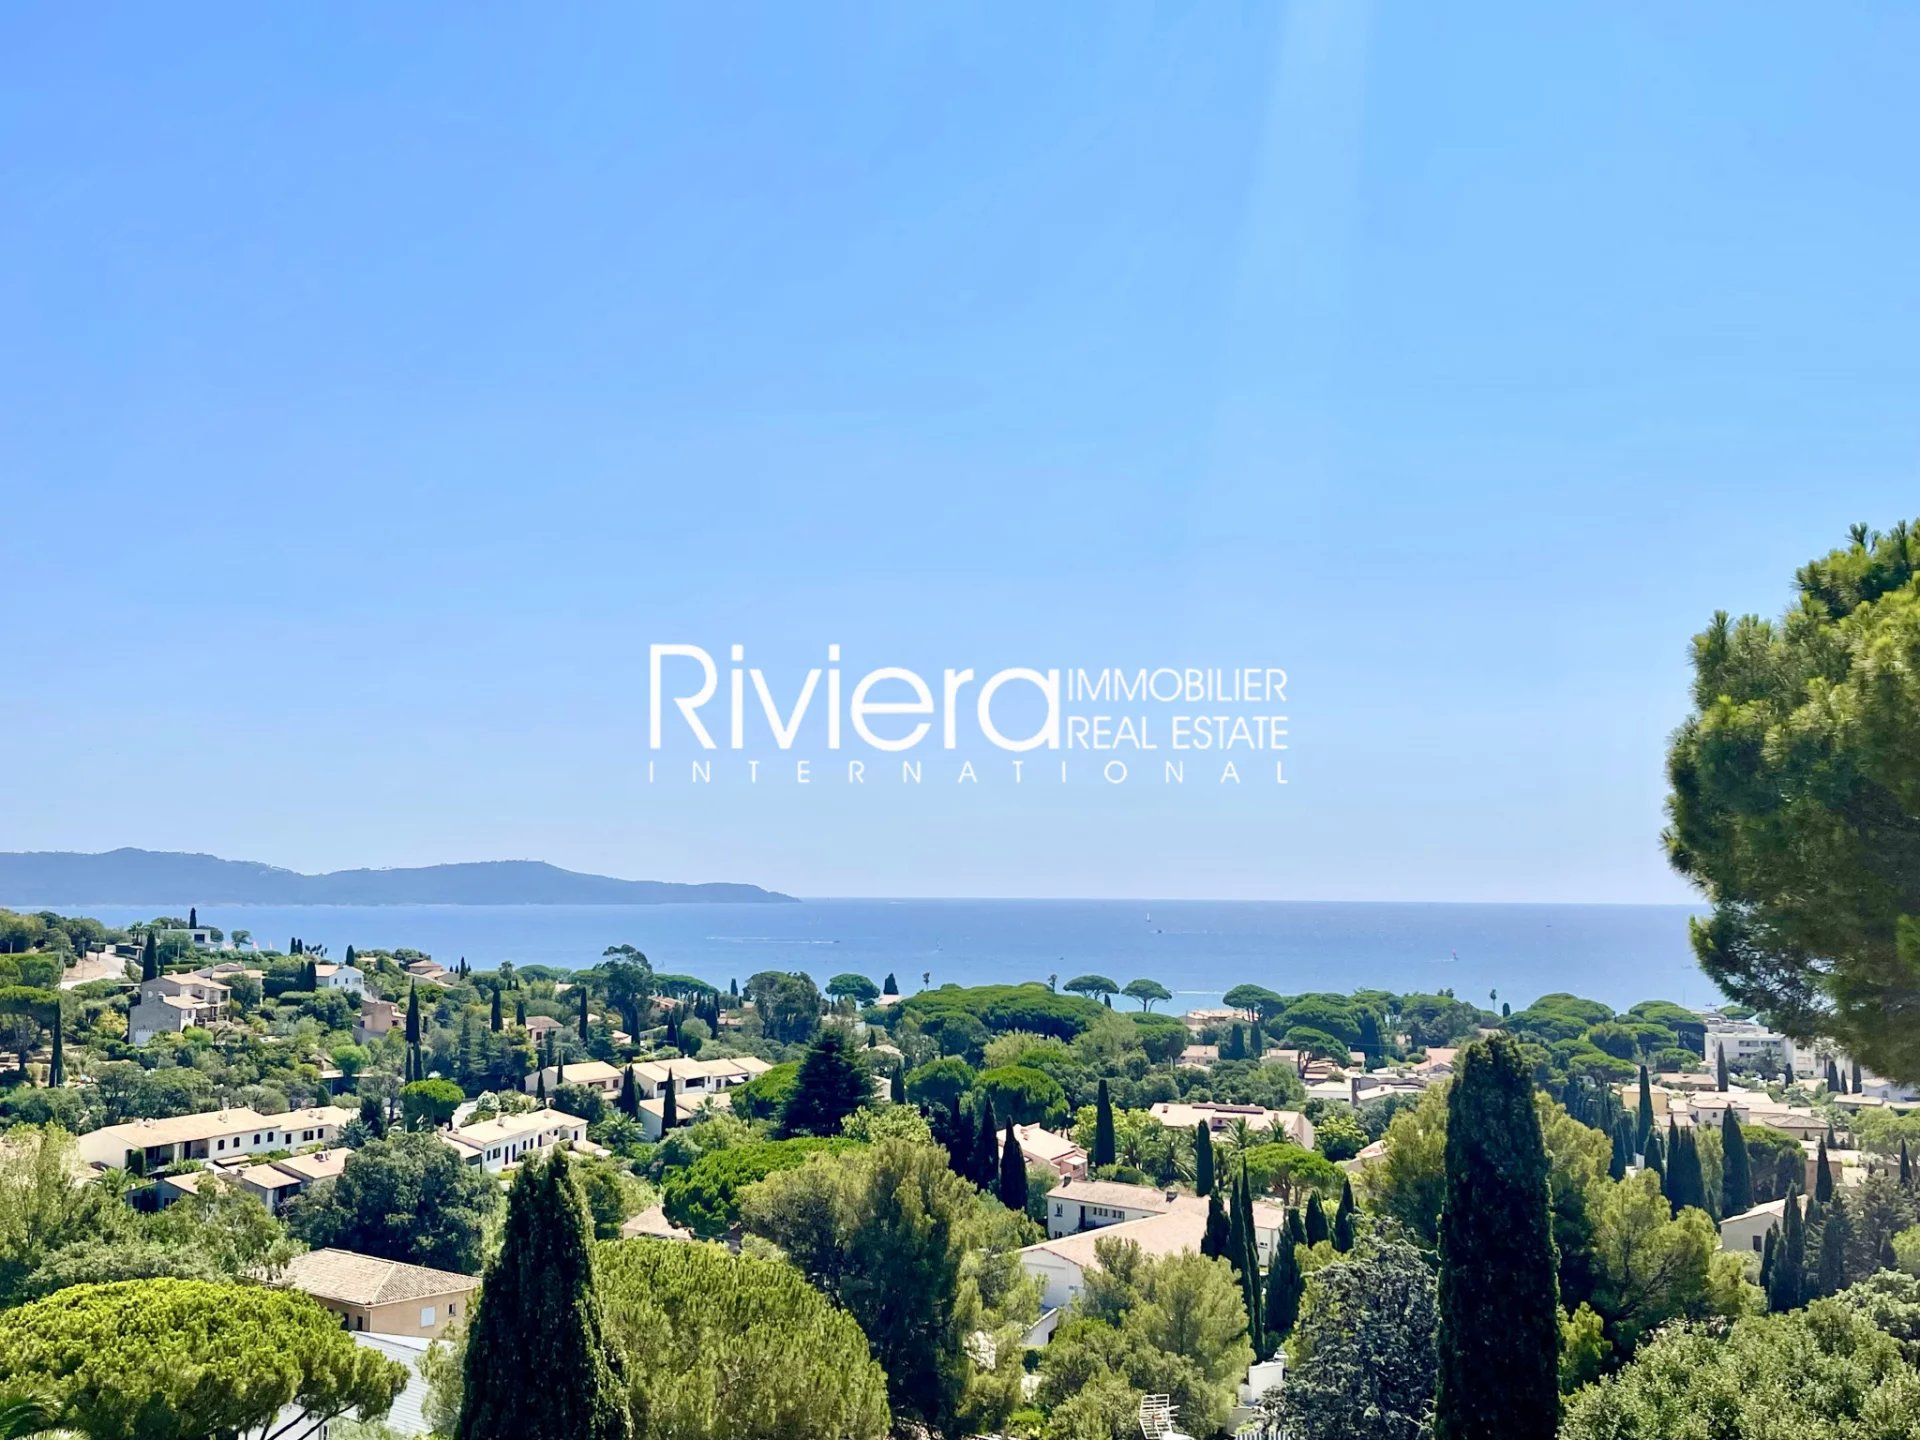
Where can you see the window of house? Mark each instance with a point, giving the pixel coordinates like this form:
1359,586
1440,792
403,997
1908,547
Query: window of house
427,1317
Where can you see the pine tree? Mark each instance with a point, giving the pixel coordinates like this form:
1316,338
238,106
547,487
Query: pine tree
669,1108
1013,1174
1835,1236
1646,1112
1317,1227
1285,1287
1822,1176
1786,1285
1202,1159
1499,1334
57,1066
831,1085
1720,1069
494,1018
1343,1219
1214,1240
1103,1146
539,1315
1736,1168
984,1166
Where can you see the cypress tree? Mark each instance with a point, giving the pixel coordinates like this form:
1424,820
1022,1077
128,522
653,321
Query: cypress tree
1296,1227
1646,1111
629,1094
540,1090
352,957
984,1166
1822,1176
1285,1286
1343,1219
897,1085
1720,1070
1214,1240
583,1014
1859,1081
150,959
57,1066
1317,1227
1835,1235
1202,1159
959,1138
494,1019
1736,1169
1906,1165
1499,1333
669,1108
193,917
1786,1285
1103,1146
1655,1158
890,986
1685,1183
520,1011
1833,1078
1250,1265
538,1365
1766,1261
1013,1174
1622,1148
413,1013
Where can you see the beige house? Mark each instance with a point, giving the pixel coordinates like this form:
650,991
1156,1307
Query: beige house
1081,1205
385,1297
377,1018
1746,1233
1060,1263
1056,1152
171,1004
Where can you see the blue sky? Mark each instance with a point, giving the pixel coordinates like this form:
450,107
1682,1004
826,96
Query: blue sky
380,382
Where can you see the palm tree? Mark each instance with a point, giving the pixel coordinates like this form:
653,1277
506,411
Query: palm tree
24,1415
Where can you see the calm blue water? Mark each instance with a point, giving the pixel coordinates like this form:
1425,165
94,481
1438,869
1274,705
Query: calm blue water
1618,954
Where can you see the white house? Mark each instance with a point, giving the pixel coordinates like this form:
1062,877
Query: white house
1747,1232
493,1145
213,1135
340,977
1081,1205
686,1110
1217,1117
696,1077
1060,1263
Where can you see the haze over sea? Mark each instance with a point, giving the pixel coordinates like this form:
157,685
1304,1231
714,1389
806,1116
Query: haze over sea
1619,954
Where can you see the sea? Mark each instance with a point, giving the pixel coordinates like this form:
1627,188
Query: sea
1199,949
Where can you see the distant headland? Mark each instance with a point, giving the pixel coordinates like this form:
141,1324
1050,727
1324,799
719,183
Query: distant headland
135,877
